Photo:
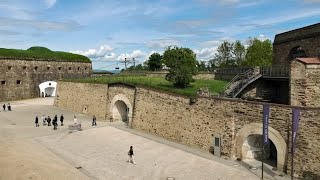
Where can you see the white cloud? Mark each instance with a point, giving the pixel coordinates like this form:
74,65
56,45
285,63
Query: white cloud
135,54
163,43
110,57
98,54
206,53
50,3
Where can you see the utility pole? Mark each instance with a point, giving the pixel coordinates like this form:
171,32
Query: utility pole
125,63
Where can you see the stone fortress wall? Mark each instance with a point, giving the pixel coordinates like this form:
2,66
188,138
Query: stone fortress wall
307,38
196,124
20,78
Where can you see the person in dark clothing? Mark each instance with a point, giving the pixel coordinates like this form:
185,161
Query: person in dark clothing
61,119
4,107
94,121
49,120
9,107
55,122
131,156
37,121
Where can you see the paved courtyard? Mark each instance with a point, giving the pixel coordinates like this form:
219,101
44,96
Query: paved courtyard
29,152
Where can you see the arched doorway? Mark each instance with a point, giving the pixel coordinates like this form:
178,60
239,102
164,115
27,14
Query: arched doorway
48,88
253,146
296,52
121,109
251,134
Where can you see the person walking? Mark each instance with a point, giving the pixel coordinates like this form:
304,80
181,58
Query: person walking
55,122
94,121
44,120
131,156
61,119
4,107
37,121
9,107
49,120
75,120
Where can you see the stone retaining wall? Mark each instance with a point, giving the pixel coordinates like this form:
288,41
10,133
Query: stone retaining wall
196,124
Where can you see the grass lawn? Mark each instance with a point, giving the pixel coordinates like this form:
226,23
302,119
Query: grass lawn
214,86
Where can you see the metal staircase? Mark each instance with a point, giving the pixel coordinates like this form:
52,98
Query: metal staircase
239,82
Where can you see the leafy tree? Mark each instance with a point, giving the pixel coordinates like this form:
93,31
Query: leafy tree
211,64
224,54
239,52
182,63
138,67
201,66
259,53
154,63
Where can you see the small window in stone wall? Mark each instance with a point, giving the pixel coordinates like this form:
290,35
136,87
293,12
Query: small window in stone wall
9,67
3,83
85,68
48,67
24,67
59,68
18,81
78,68
70,68
36,68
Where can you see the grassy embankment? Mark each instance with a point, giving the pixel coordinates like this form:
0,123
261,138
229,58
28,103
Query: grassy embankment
42,53
214,86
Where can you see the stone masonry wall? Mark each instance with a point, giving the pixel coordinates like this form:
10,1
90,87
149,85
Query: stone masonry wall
83,98
19,79
304,84
174,118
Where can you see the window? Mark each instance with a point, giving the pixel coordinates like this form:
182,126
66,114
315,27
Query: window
9,67
24,67
3,83
59,68
78,68
36,68
85,68
48,67
69,68
49,84
18,81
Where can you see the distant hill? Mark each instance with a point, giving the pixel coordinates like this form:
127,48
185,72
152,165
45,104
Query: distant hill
106,71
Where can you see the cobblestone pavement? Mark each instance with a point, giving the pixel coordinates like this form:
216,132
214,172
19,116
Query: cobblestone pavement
29,152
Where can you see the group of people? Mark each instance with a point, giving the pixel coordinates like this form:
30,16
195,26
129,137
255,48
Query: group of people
8,106
47,121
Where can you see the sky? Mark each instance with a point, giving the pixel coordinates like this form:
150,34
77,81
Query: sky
109,31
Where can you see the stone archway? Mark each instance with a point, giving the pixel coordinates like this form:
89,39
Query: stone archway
48,88
274,136
121,109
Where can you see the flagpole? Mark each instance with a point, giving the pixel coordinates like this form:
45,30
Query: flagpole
292,141
262,160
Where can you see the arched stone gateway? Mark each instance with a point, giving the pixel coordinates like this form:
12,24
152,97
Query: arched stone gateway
121,109
250,131
48,88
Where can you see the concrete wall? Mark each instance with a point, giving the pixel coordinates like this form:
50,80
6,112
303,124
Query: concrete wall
31,73
174,118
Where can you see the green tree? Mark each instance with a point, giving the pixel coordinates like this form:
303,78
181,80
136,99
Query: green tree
211,64
182,65
154,63
259,53
224,54
239,53
201,66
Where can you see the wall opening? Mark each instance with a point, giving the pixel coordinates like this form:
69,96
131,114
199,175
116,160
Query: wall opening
252,150
296,52
3,83
48,88
120,111
18,81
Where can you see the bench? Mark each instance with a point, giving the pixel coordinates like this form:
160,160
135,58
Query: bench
74,127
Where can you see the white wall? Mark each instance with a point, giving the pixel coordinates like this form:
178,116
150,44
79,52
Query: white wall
48,87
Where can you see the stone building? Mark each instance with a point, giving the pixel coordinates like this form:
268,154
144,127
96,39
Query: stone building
20,77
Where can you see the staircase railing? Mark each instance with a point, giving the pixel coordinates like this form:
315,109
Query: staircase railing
229,87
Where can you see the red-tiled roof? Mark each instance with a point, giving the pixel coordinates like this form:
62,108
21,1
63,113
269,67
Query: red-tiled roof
309,60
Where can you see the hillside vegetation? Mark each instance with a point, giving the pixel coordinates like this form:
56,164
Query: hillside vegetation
42,53
214,86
